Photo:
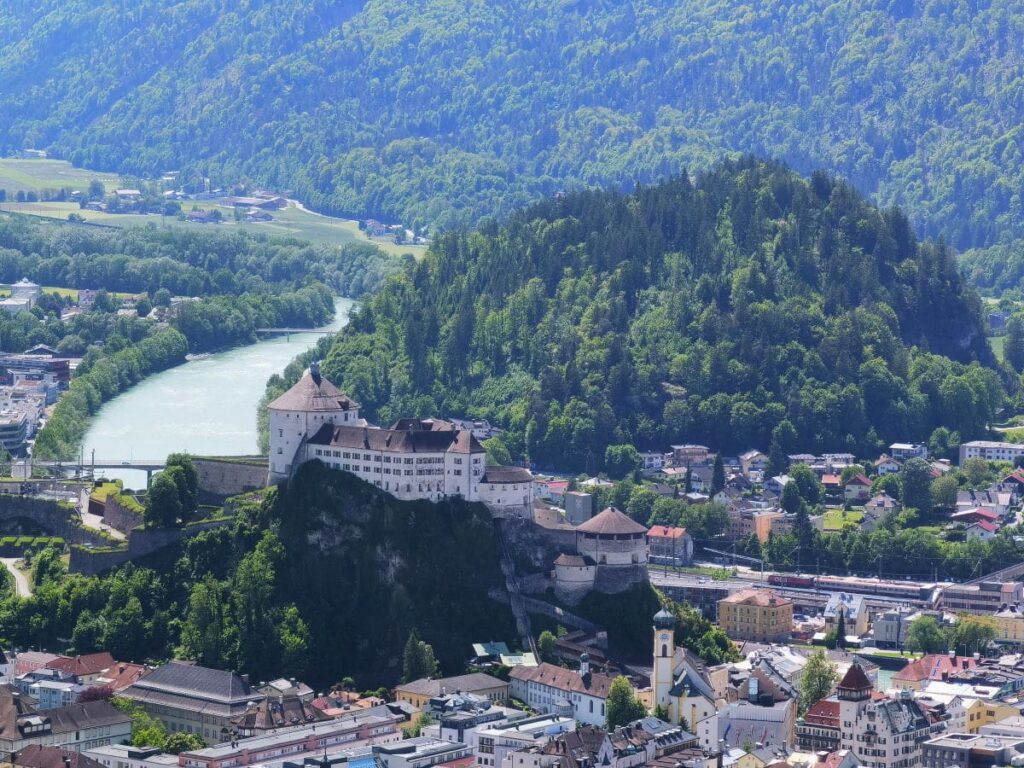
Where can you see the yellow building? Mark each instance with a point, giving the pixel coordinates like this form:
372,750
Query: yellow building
756,614
980,712
1010,625
419,692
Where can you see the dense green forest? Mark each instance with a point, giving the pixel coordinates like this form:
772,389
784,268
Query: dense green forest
439,111
322,578
745,307
184,262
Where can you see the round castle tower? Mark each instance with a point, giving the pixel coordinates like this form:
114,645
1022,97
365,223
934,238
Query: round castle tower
299,413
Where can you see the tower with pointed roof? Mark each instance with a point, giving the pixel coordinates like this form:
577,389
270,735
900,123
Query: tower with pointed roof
299,413
662,673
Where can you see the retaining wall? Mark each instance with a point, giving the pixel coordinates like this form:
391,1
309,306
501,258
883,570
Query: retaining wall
222,478
142,542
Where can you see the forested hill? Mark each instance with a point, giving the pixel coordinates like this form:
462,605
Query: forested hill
437,111
744,305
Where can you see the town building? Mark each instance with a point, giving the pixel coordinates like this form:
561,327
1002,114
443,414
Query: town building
756,614
818,729
986,597
669,545
934,666
413,459
76,727
855,613
187,697
965,750
36,756
990,451
495,742
1010,625
904,451
127,756
555,690
885,732
751,721
375,726
83,669
420,692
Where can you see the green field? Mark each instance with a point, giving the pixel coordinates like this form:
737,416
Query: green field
37,175
835,519
290,222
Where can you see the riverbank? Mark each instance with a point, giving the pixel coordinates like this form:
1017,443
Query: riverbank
205,407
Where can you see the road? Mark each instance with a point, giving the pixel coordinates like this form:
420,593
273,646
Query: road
89,520
21,584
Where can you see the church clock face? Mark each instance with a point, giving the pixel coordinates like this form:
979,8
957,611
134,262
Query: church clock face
663,638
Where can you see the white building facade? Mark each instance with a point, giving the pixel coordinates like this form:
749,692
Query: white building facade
413,459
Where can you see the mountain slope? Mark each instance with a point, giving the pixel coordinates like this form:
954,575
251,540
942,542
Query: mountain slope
706,311
437,111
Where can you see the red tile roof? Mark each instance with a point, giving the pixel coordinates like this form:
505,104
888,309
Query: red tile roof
858,480
761,597
666,532
824,712
855,679
931,667
90,664
567,680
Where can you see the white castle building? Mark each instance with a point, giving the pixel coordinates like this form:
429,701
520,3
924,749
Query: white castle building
413,459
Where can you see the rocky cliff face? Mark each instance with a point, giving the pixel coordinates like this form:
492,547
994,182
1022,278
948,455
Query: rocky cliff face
365,569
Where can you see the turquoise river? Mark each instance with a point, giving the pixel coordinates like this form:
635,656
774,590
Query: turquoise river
205,406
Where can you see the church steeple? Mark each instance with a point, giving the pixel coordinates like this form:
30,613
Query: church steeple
664,657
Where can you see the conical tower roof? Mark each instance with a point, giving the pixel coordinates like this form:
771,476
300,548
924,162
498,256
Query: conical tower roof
314,393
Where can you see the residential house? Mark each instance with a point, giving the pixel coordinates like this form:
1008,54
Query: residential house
756,614
669,545
555,690
652,460
837,462
833,485
194,699
777,483
882,504
981,531
420,692
904,451
857,489
855,613
887,465
753,462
